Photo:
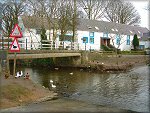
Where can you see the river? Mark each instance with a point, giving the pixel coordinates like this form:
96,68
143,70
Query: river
129,90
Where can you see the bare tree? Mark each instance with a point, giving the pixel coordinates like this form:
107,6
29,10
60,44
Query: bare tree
122,12
11,11
93,8
64,19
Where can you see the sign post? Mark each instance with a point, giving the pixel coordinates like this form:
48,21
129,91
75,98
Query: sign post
16,33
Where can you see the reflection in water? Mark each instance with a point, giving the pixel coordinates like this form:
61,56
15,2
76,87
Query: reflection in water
123,90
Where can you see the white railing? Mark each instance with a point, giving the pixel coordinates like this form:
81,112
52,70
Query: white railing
44,44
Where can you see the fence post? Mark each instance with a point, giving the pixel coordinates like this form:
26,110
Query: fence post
41,44
26,43
2,43
63,45
71,45
8,43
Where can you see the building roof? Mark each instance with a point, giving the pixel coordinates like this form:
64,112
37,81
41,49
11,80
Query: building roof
89,25
110,27
145,37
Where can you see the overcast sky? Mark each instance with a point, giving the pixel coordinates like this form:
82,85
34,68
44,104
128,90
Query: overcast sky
140,7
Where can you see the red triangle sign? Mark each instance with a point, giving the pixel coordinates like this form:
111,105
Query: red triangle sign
16,32
15,46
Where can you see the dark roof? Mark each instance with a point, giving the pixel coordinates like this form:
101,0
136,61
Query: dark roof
88,25
147,34
111,27
144,39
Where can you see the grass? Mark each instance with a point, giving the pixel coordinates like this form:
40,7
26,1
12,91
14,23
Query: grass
14,92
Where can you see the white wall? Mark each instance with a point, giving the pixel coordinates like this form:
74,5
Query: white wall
123,42
145,43
95,46
32,39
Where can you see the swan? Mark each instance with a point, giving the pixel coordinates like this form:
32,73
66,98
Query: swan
18,75
53,86
56,68
21,73
51,81
71,73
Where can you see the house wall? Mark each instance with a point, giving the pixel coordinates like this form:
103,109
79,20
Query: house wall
146,44
92,46
123,46
33,39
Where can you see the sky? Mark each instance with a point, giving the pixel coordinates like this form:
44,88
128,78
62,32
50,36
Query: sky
140,6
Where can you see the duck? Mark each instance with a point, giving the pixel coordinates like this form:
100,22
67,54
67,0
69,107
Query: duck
51,81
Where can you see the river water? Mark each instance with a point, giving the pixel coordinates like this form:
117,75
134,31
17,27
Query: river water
128,90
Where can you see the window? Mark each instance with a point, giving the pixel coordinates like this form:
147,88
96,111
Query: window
112,29
92,40
96,28
85,39
105,35
117,39
91,34
128,39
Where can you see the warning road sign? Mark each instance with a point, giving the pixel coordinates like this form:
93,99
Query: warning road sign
16,32
15,46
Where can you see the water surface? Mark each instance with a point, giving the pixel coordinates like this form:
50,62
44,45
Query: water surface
128,90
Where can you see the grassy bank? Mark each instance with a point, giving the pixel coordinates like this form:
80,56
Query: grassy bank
16,92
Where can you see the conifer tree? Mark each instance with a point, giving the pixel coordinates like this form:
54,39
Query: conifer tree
135,42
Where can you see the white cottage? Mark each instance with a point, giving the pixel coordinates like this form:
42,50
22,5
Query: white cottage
90,35
144,41
110,34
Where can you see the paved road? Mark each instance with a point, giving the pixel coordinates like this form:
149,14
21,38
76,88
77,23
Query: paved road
63,106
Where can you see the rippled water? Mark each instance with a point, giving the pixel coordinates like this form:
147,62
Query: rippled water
128,90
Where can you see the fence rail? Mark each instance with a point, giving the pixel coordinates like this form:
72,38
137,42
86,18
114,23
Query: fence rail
43,44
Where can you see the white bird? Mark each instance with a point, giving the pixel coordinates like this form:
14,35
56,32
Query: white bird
71,73
102,63
53,86
51,81
56,68
21,73
18,75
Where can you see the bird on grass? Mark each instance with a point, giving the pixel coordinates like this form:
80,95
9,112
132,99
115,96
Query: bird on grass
71,73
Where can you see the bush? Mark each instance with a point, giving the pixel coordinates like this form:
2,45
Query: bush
106,48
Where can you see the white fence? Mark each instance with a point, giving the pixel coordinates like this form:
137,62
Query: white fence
44,44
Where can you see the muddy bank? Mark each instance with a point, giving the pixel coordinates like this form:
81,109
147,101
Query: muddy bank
17,92
65,106
111,63
102,67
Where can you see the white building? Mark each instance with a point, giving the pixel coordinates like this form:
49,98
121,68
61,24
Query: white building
144,41
91,34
